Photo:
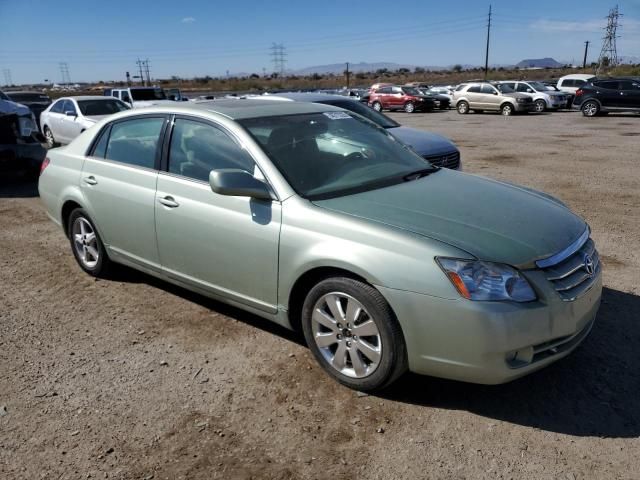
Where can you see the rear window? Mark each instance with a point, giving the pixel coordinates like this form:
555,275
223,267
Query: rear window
101,107
29,97
135,141
609,85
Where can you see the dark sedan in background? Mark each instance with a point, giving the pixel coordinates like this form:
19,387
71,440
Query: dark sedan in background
36,102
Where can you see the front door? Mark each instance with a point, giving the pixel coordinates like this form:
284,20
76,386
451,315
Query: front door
225,245
119,182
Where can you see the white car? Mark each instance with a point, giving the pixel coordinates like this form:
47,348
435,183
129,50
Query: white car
543,97
571,83
68,117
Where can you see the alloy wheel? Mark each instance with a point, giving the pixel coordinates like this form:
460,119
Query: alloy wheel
463,107
540,106
377,106
85,242
590,109
409,107
48,135
346,335
507,110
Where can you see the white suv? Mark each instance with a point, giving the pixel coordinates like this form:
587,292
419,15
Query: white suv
543,97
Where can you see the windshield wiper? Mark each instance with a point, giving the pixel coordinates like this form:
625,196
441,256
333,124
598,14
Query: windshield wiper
423,172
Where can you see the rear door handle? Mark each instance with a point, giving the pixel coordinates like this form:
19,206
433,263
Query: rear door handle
168,201
91,180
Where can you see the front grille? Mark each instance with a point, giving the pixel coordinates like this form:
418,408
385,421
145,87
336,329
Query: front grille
575,275
448,160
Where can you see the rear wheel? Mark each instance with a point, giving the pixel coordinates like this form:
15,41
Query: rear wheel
462,107
377,106
506,109
409,107
540,106
590,108
353,334
86,244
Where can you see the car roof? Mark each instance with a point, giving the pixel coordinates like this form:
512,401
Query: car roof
33,92
309,97
240,109
87,97
577,76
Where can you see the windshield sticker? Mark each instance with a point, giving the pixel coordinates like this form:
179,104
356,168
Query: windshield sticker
337,115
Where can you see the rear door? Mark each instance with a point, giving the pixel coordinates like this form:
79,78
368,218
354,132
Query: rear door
630,93
609,93
488,97
396,99
119,182
67,122
54,116
474,96
225,245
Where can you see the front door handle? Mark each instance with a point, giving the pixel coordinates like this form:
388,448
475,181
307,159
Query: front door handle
91,180
168,202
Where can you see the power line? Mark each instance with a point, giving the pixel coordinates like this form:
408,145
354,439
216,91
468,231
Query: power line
586,50
609,53
64,73
7,77
278,58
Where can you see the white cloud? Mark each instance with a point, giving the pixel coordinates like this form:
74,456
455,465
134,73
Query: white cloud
188,20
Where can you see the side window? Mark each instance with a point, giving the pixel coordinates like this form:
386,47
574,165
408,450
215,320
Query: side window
567,83
522,87
488,89
511,84
197,148
608,85
100,148
397,90
579,83
69,107
57,107
474,89
124,96
135,142
385,90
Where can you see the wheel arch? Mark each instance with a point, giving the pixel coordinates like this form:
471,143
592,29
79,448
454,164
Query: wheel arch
508,102
67,207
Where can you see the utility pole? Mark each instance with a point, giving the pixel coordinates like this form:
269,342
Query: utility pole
146,70
586,49
609,53
141,76
277,55
7,77
64,72
486,57
347,73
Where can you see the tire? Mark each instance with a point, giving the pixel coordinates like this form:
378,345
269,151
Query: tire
381,354
590,108
409,107
506,109
377,106
540,105
462,107
48,135
86,245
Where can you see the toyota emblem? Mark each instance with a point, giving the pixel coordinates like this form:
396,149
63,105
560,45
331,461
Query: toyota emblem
588,265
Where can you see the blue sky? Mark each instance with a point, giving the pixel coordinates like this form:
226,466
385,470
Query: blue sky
102,40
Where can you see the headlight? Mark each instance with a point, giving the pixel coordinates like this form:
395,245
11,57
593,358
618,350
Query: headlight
26,125
477,280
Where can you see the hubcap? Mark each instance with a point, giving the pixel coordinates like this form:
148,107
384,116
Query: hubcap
506,110
85,242
462,108
591,109
409,108
346,335
49,136
377,106
539,106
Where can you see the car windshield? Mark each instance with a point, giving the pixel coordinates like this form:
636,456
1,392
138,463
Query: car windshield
148,94
411,91
29,97
539,87
504,88
4,97
101,107
367,112
331,154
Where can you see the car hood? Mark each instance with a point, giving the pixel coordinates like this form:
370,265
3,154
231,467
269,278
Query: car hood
424,143
150,103
491,220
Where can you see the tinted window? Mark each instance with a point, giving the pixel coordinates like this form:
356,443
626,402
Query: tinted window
488,89
568,83
474,89
385,90
101,147
69,107
577,83
197,148
148,94
57,107
135,142
608,85
629,85
396,90
510,84
522,87
29,97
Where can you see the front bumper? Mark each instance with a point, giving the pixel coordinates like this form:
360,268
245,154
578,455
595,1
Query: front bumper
492,342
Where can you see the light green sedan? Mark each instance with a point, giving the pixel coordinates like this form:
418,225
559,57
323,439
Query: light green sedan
315,218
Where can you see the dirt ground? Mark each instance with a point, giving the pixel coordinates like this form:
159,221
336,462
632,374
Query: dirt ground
132,378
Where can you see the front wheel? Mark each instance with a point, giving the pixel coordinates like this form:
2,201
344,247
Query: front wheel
87,245
48,135
409,107
377,106
462,107
540,106
506,109
590,109
353,334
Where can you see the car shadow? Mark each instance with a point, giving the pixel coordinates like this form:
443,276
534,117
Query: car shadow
592,392
15,187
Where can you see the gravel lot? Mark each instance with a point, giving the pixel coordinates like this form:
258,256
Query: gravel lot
132,378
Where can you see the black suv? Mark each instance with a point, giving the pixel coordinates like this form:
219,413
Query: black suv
601,96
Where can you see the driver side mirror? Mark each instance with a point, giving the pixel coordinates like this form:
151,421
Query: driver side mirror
70,113
240,183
